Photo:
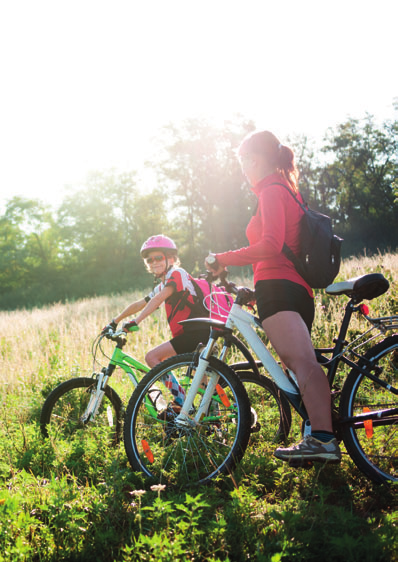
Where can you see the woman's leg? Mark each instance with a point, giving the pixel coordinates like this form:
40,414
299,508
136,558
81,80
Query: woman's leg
289,336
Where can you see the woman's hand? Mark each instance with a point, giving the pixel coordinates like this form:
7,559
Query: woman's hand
212,264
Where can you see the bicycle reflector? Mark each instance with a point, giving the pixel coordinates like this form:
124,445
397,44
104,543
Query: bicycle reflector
147,451
223,397
368,424
364,309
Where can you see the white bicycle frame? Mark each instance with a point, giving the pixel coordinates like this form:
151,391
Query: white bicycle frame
245,323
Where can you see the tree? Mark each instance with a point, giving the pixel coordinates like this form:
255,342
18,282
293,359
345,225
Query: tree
29,251
211,202
364,164
103,226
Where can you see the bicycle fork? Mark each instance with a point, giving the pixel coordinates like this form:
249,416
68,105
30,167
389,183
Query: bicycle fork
183,419
96,399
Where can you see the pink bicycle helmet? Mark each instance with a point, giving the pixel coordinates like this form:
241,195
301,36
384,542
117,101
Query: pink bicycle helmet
158,242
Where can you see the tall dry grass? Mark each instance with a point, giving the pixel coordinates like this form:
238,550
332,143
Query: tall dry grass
54,342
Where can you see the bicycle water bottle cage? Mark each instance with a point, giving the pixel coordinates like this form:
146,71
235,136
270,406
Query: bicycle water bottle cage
366,287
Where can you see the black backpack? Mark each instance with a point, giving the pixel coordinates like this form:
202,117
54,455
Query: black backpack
318,261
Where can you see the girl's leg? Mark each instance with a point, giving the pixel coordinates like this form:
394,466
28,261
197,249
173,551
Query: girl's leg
159,354
289,336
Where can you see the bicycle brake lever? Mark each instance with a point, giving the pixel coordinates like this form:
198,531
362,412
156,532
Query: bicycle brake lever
119,333
113,335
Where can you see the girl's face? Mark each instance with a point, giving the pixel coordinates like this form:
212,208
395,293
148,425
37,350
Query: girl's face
156,262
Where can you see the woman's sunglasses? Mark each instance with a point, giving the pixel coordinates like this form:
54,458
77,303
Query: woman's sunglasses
154,259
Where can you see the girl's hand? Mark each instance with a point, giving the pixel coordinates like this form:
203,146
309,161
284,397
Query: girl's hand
130,326
112,326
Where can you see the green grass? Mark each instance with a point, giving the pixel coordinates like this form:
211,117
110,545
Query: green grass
80,501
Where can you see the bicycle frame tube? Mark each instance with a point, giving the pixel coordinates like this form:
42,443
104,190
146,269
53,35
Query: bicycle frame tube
128,364
245,322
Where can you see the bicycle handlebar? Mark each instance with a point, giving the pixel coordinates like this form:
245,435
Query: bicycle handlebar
244,295
115,335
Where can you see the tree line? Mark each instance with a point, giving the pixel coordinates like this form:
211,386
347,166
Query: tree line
89,245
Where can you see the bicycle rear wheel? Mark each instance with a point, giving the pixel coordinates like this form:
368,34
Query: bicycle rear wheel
62,414
373,443
196,452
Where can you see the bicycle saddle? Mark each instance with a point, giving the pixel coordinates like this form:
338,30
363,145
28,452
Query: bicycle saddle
366,287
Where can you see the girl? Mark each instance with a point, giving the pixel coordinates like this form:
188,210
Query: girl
176,290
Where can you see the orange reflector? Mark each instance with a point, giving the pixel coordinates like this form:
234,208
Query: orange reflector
147,451
223,396
368,425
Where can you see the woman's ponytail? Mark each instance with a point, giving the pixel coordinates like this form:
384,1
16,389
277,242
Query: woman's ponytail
286,166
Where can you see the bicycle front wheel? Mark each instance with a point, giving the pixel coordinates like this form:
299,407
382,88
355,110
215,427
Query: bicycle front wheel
369,412
194,452
64,410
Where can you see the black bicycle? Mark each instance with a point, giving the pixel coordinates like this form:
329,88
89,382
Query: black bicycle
208,436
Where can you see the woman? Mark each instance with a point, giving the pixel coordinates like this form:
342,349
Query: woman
176,290
284,301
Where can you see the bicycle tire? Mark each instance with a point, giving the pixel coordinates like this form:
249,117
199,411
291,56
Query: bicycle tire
183,456
64,406
271,416
373,446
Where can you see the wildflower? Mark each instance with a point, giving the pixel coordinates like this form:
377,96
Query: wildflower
138,493
158,487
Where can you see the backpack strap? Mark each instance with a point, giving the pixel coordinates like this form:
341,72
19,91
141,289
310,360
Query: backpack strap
183,301
304,205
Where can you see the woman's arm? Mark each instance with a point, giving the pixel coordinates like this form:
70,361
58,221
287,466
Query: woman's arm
269,227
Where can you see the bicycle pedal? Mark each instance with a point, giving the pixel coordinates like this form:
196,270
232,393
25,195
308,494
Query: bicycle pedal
301,463
255,428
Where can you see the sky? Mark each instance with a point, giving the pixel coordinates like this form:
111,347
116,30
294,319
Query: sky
87,84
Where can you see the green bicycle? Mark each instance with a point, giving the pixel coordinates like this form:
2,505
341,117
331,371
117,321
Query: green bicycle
90,402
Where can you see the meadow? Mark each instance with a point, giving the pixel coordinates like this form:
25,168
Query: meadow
80,500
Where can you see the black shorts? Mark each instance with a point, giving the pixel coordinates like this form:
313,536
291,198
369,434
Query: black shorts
277,295
189,340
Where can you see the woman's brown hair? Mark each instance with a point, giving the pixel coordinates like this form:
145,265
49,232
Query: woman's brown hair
279,156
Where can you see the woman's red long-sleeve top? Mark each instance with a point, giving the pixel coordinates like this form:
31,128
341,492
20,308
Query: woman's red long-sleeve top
275,222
